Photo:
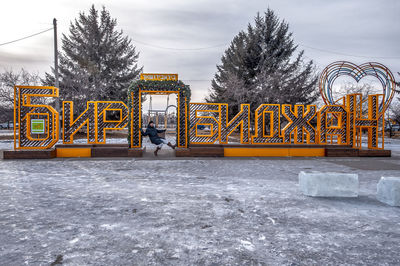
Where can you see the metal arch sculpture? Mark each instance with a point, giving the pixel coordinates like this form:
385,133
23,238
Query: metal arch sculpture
357,72
160,87
166,114
170,106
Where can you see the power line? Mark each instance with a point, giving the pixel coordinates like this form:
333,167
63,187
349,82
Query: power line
26,37
180,49
215,46
339,53
224,44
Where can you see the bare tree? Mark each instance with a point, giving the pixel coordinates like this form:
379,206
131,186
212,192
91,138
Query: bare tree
9,79
352,88
394,109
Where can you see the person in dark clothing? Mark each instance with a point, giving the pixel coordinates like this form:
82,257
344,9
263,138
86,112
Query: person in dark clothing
152,132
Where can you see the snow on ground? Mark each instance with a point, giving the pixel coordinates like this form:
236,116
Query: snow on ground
6,144
199,211
6,132
393,145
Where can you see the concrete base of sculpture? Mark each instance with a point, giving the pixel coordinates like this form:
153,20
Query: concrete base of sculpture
388,191
320,184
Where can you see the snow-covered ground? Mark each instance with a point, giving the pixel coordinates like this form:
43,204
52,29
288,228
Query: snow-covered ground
6,132
393,145
184,212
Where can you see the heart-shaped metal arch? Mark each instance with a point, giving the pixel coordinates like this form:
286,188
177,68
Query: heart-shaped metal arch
340,68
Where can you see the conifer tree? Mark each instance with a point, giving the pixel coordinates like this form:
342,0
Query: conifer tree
97,61
261,65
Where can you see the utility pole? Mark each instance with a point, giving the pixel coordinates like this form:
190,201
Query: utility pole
56,63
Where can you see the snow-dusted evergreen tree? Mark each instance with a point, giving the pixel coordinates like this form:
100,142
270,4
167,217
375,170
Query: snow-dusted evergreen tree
97,62
261,66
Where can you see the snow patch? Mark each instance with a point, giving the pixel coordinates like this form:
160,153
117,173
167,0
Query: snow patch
109,226
247,245
73,241
272,220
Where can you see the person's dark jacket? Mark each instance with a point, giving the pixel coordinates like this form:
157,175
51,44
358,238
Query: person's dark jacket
152,133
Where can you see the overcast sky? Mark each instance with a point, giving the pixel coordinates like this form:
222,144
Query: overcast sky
364,30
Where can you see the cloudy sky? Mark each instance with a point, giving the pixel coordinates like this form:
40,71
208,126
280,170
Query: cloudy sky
168,33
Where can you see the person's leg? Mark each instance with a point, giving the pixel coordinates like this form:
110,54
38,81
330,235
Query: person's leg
163,141
157,149
168,143
172,146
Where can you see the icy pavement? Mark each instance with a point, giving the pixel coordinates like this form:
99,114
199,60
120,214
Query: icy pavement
185,212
